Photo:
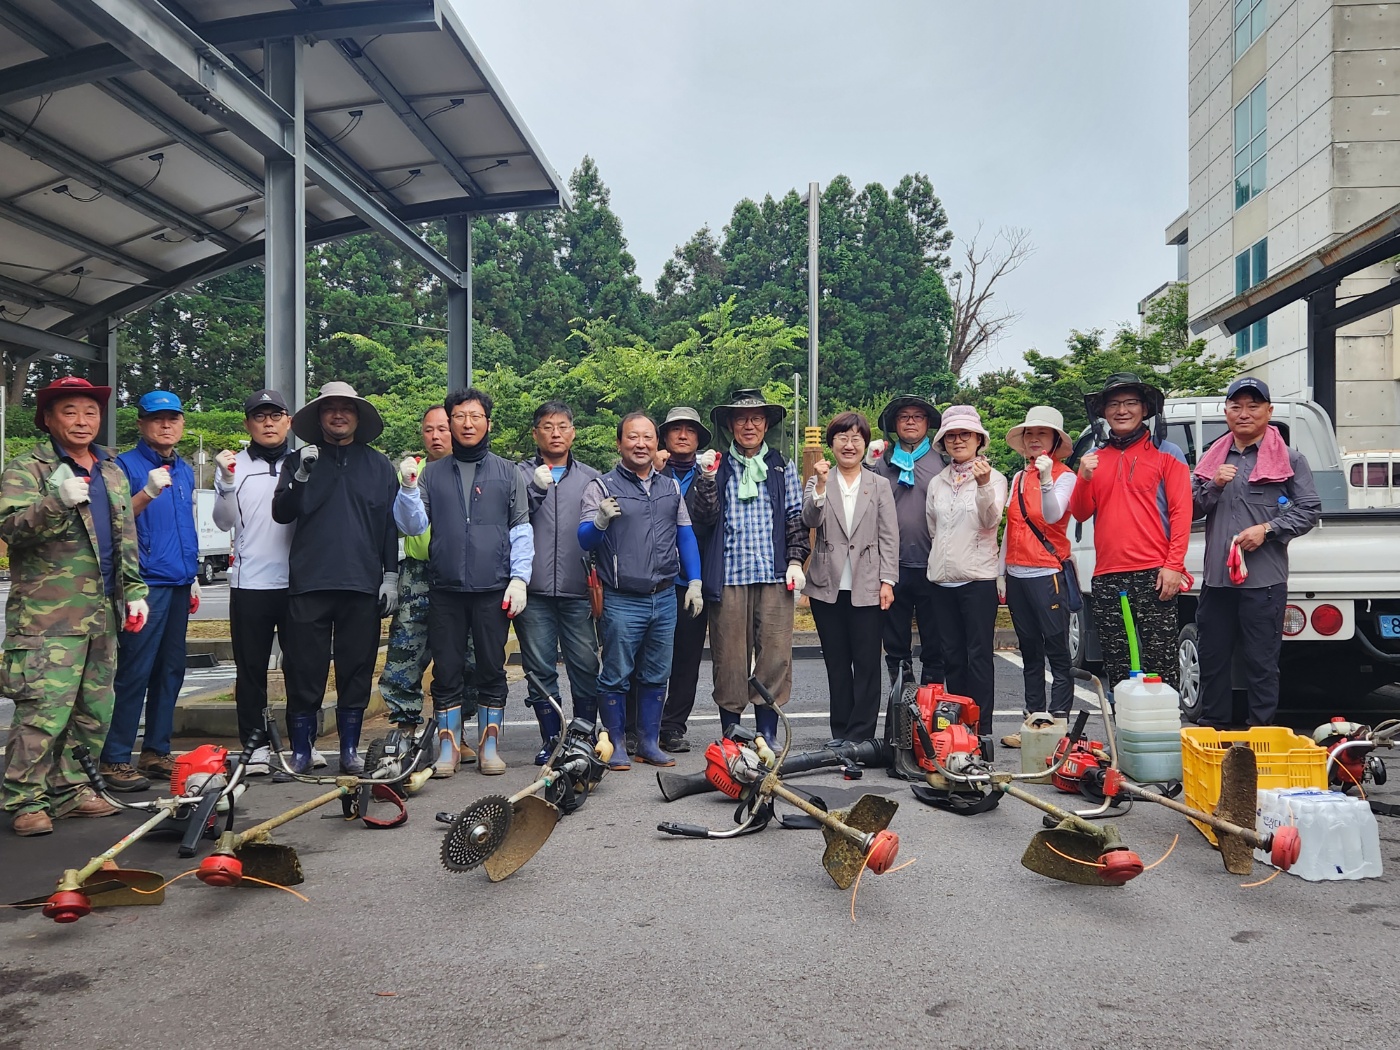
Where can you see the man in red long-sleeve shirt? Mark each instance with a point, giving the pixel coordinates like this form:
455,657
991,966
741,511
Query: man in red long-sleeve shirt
1139,495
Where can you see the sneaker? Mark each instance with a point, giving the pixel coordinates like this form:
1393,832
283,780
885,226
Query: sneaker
122,776
31,822
1011,740
318,760
260,764
157,767
674,743
91,806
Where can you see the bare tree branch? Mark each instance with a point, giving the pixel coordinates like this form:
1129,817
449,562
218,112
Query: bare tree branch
979,321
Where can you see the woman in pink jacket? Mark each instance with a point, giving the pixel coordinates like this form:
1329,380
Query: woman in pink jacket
964,507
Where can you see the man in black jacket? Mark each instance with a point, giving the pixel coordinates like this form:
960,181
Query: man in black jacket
343,567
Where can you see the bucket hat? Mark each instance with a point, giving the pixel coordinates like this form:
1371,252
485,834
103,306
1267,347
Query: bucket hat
306,424
685,414
890,412
1122,382
68,386
1042,416
960,417
746,398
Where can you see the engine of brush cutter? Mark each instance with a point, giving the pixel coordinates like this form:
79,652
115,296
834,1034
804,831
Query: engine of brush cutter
194,769
738,761
579,765
1352,748
951,721
1083,771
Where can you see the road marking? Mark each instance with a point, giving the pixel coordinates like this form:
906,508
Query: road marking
1085,694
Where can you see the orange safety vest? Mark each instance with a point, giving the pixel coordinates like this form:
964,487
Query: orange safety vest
1022,547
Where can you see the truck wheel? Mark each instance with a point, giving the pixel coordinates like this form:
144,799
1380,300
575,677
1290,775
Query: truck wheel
1188,661
207,571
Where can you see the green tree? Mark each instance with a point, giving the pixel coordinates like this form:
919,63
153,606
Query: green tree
593,251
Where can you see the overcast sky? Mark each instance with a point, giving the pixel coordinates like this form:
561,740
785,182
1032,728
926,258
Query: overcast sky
1067,117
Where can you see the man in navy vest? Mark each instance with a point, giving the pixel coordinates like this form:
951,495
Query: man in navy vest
151,663
636,520
480,556
753,562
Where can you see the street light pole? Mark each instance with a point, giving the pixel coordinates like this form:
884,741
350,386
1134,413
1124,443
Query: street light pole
813,232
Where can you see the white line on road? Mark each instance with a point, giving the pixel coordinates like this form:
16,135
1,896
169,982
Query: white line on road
1087,695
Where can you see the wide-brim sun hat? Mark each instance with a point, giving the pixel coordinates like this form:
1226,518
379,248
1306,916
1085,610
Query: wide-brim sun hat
685,414
960,417
68,386
1041,416
746,398
1123,381
306,424
890,412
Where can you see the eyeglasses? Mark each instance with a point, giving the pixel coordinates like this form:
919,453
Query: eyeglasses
911,417
1127,402
263,417
959,436
554,428
469,417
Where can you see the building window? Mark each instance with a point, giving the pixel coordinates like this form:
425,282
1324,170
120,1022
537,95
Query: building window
1251,267
1249,23
1251,124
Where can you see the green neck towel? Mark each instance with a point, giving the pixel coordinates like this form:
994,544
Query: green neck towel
754,471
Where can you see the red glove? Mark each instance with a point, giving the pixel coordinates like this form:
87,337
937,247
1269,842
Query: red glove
1234,561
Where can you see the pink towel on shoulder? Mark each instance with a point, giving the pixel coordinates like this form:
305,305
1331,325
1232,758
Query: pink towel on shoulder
1270,467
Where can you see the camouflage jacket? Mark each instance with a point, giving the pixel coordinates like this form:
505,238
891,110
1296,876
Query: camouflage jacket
55,576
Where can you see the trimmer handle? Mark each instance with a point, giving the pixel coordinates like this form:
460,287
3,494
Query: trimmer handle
759,688
1077,731
690,831
256,739
84,759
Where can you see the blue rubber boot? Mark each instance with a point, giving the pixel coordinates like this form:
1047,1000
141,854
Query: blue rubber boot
612,712
586,707
449,756
767,722
550,727
650,700
347,725
727,719
489,720
301,733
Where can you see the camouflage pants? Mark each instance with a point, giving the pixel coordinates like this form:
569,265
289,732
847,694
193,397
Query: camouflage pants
401,681
1155,621
62,689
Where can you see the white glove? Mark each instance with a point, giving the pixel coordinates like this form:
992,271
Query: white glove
796,578
136,613
1001,590
309,455
408,472
694,600
607,510
224,461
73,492
1043,463
514,602
157,480
388,592
874,451
708,461
544,476
195,595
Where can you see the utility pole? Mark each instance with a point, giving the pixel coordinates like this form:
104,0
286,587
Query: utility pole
812,448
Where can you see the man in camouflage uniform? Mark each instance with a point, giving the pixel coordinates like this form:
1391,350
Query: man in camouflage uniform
65,512
401,681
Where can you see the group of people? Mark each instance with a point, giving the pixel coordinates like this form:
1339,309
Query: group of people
625,573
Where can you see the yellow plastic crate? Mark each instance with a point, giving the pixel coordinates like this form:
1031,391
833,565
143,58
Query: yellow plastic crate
1284,760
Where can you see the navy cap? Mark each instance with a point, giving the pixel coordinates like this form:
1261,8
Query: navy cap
265,399
158,401
1249,383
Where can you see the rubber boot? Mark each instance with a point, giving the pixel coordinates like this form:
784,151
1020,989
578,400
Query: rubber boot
727,719
650,700
612,712
767,723
466,754
550,727
347,725
301,731
586,707
449,756
489,720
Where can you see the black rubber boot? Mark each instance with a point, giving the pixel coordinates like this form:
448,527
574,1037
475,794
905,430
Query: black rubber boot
767,719
550,728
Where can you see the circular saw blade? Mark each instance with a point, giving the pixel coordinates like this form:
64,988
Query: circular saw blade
477,833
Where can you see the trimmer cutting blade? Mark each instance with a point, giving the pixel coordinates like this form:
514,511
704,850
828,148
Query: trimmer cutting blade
532,822
1239,779
844,856
476,833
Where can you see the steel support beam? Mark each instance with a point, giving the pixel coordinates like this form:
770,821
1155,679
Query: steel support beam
177,56
284,274
35,297
459,305
102,338
1363,306
1322,350
43,75
46,343
63,235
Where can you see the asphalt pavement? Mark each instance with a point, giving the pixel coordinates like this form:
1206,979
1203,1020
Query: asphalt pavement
616,935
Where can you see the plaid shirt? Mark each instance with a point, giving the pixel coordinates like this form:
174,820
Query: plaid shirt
748,530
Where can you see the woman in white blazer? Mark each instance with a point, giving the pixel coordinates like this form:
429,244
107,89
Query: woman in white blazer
851,577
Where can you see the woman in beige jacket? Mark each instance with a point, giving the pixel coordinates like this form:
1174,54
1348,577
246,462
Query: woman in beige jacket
964,507
851,577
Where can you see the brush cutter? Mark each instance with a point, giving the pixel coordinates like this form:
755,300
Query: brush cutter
851,758
1351,746
251,854
856,838
202,786
501,834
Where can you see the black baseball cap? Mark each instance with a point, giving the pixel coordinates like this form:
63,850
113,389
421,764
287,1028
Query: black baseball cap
265,399
1249,383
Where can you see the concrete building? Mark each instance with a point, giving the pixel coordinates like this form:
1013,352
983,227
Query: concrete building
1295,142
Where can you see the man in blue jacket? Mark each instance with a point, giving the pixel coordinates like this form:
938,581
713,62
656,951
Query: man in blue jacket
151,662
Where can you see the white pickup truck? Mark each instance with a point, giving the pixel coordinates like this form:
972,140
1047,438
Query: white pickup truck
1342,625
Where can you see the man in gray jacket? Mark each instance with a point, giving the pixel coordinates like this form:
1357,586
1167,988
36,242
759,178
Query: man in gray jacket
557,612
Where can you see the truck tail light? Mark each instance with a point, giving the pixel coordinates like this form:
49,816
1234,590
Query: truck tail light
1327,620
1293,621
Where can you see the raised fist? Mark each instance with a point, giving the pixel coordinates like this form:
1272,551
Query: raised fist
544,477
981,470
708,461
875,450
224,461
820,469
308,455
73,492
157,481
607,510
1088,463
1043,465
1224,474
408,472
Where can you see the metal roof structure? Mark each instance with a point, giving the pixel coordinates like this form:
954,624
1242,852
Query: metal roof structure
148,144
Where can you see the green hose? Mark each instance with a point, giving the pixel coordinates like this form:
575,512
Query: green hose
1134,658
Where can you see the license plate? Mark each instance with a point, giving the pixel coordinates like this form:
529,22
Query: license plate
1390,626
